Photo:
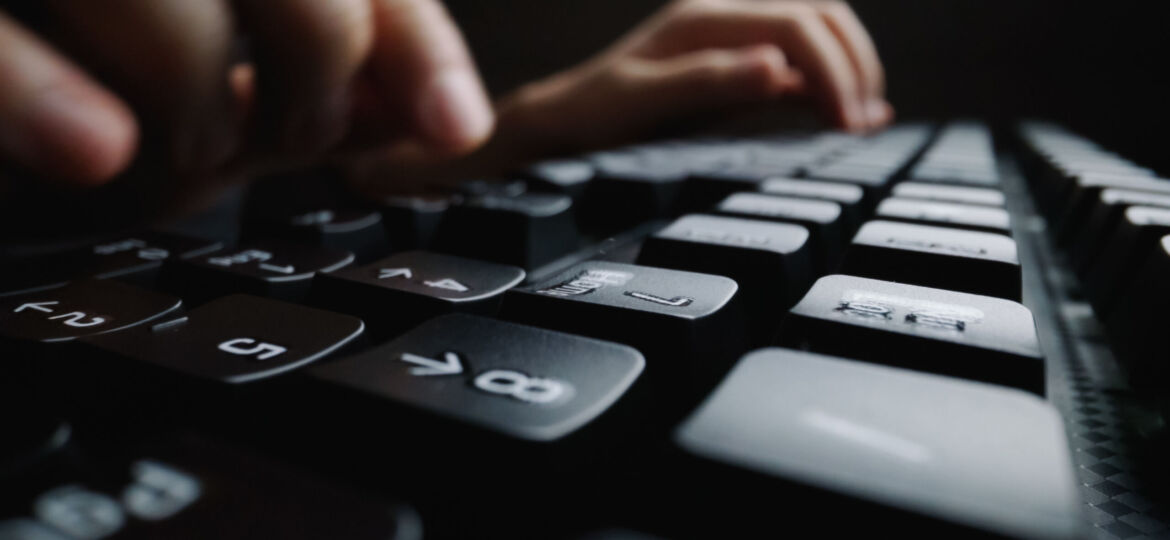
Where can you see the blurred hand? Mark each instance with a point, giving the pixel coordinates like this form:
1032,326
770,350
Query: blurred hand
95,83
690,56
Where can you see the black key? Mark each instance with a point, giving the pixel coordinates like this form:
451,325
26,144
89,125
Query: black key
939,257
81,308
136,259
875,181
187,487
951,194
965,216
358,231
950,333
516,380
821,218
236,339
630,188
848,196
958,175
272,269
565,176
1094,233
1078,199
404,289
928,456
411,222
1133,241
527,230
681,318
771,262
1137,322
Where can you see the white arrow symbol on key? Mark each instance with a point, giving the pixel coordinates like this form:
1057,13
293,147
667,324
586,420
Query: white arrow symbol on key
273,268
450,364
39,306
394,272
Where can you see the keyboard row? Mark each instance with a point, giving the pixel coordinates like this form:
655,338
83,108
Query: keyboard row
873,394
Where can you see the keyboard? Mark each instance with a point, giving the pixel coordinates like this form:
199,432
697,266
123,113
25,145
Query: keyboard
932,331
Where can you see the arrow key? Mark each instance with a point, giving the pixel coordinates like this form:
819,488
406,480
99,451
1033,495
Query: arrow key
273,269
418,284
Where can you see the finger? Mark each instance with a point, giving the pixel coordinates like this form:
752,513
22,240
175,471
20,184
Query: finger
308,53
171,58
710,78
422,67
55,120
843,22
795,26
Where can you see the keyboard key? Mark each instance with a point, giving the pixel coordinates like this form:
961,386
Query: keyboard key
630,188
1132,242
848,196
1093,234
272,269
405,289
565,176
1137,322
928,456
939,257
236,339
527,230
945,332
771,262
948,193
516,380
411,222
821,218
965,216
135,259
1078,199
81,308
685,322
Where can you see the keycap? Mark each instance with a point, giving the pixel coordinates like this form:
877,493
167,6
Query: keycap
924,455
273,269
874,181
520,381
234,339
771,262
405,289
565,176
1132,242
1094,232
1137,322
850,197
965,216
312,207
945,332
135,258
526,230
411,222
189,486
629,189
949,193
1078,199
940,257
821,218
80,308
690,324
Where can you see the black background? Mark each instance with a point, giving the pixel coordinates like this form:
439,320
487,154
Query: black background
1099,68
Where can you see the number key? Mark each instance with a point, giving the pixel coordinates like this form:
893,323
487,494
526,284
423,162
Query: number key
273,269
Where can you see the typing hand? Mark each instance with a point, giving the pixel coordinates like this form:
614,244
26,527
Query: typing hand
87,87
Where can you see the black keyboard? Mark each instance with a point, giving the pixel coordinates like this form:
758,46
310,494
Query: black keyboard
925,332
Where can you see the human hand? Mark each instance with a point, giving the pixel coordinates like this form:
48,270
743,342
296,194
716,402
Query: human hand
90,86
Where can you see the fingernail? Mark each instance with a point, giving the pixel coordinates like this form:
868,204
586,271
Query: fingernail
454,110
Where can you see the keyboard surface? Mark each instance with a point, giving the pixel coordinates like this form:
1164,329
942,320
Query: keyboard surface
929,331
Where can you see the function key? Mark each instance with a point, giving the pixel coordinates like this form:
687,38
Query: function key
772,262
681,318
273,269
520,381
235,339
527,229
405,289
950,333
903,450
81,308
940,257
966,216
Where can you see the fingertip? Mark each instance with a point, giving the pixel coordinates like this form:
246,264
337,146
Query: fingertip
454,112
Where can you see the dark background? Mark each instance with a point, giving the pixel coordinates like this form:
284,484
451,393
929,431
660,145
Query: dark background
1098,68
